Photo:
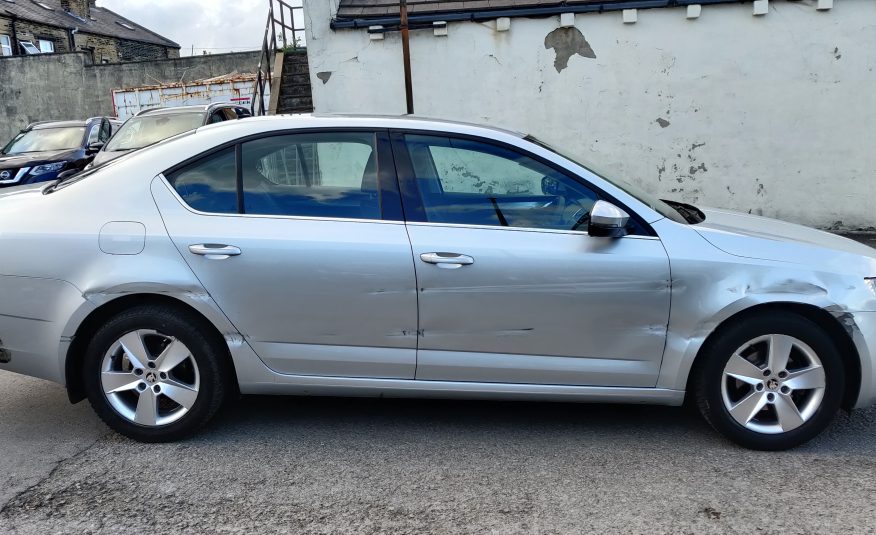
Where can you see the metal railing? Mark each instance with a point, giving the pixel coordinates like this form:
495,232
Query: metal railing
284,31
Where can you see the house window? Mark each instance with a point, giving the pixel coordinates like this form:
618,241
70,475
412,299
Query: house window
5,45
28,48
47,47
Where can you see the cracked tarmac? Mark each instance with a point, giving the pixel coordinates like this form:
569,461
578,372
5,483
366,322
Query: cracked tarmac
322,465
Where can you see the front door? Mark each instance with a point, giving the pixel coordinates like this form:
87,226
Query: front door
511,287
293,238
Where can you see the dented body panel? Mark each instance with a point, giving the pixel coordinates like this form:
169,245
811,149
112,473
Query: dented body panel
543,314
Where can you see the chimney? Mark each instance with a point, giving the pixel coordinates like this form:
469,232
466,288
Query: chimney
80,8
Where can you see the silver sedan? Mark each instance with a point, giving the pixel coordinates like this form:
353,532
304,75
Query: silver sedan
403,257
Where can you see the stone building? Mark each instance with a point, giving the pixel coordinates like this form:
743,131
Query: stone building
54,26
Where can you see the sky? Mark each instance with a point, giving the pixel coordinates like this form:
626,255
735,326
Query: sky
216,26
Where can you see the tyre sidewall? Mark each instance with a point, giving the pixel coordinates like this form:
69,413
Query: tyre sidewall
172,324
709,390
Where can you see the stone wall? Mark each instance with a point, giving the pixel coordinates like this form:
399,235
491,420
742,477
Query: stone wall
104,49
69,86
33,32
295,91
138,51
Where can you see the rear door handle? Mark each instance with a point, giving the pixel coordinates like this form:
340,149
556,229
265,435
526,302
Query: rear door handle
214,251
447,259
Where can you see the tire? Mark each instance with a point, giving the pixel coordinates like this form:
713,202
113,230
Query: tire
735,381
164,389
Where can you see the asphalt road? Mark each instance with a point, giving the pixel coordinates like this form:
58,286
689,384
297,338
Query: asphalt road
312,465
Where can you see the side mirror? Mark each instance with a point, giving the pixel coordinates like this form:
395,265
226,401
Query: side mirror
95,147
607,221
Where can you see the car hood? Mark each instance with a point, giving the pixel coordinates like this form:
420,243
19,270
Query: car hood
751,236
15,161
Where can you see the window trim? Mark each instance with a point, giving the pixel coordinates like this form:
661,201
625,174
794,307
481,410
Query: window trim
389,196
25,44
39,44
7,45
412,198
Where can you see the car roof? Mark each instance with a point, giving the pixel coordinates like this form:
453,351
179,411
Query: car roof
203,108
401,122
43,125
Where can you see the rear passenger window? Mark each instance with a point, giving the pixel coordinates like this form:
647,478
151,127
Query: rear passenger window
209,184
312,175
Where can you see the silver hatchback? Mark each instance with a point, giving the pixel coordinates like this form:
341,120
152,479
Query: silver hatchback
403,257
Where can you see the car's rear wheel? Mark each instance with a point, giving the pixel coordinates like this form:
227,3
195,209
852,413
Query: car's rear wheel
770,382
154,375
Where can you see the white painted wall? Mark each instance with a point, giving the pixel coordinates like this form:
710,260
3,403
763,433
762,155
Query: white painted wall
773,114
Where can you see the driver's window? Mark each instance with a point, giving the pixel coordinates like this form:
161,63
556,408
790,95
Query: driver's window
473,183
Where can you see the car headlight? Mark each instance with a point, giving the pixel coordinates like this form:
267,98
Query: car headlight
871,283
47,168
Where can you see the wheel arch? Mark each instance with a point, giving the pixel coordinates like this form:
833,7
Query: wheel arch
833,327
97,317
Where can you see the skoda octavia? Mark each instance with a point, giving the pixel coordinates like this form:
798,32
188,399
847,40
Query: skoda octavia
351,256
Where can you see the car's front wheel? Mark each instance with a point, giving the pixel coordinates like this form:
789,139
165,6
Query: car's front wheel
770,382
154,375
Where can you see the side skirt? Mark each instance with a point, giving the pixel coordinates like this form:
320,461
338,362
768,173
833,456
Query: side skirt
301,385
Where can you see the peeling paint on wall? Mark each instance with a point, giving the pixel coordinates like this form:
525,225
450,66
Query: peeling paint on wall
324,76
663,122
567,42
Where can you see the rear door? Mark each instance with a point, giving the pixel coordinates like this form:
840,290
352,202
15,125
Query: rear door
299,239
511,287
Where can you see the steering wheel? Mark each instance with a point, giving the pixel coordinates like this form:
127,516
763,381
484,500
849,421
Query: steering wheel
581,216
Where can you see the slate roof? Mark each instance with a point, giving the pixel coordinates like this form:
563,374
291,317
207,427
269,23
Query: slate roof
101,22
363,9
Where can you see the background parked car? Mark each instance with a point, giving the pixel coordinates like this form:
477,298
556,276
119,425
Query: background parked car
151,126
43,150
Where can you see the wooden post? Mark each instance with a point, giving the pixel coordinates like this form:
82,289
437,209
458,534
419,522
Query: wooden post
406,53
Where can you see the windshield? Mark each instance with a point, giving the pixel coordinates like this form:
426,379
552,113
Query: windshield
143,131
46,139
659,206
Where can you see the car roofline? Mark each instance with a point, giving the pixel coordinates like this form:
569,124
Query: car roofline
205,108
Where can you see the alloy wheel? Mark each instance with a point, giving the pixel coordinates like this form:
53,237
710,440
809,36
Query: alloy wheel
149,378
773,384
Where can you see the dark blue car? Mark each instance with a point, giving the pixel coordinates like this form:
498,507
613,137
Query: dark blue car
43,150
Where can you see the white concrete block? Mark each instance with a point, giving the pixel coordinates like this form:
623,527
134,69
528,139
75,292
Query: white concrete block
503,24
567,20
761,7
439,28
630,16
375,36
694,10
824,5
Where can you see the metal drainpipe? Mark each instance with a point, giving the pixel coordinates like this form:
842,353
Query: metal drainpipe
71,36
406,53
16,48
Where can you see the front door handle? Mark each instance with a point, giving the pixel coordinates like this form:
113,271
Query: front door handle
214,251
447,259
